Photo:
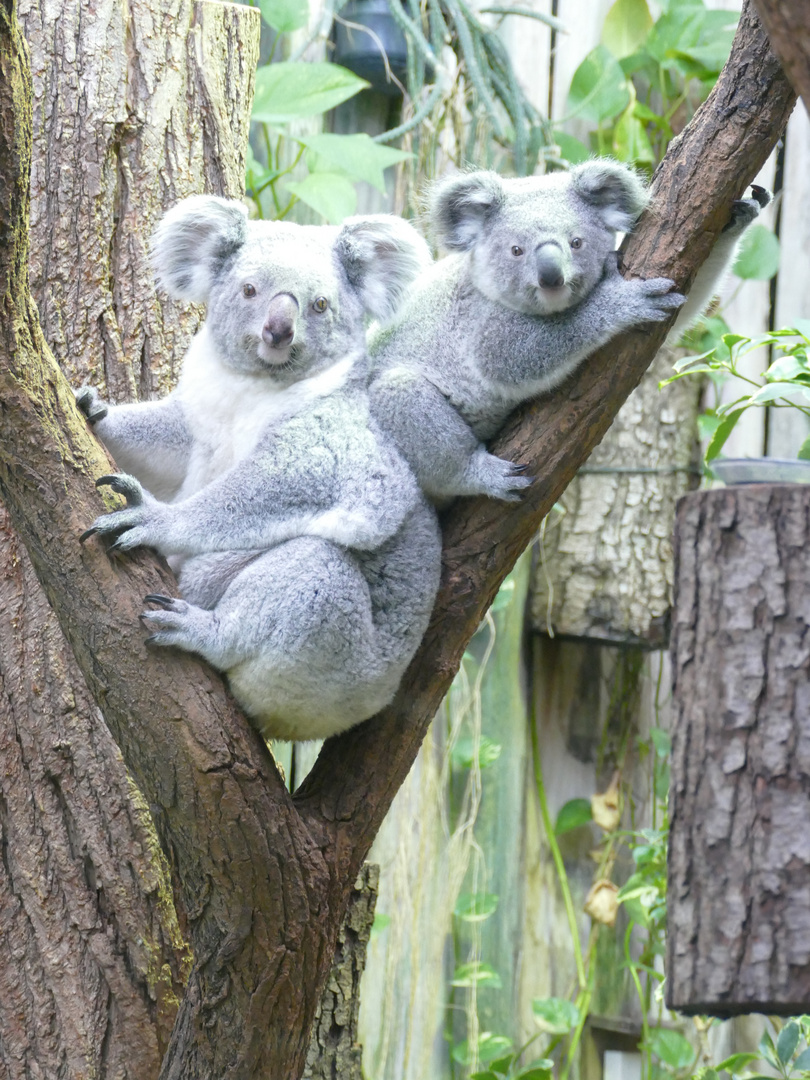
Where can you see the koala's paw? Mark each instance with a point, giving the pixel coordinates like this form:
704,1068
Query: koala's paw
139,525
499,479
744,211
89,402
655,300
175,623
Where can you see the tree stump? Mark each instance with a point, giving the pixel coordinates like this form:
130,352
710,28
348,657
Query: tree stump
739,857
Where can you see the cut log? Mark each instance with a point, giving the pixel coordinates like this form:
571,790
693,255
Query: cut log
739,870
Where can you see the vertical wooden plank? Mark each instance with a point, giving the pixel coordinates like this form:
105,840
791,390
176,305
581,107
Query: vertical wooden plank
788,427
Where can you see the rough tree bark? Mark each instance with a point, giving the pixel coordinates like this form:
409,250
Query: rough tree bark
85,890
264,877
787,23
739,875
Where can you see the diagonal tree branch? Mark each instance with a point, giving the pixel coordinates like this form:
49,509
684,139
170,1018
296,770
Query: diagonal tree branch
265,878
787,23
357,774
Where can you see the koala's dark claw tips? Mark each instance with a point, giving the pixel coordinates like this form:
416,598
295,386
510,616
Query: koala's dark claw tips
102,480
761,194
518,469
158,598
88,533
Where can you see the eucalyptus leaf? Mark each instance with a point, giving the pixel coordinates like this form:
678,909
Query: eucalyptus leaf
357,155
329,194
736,1062
289,90
599,89
572,814
626,27
758,256
285,15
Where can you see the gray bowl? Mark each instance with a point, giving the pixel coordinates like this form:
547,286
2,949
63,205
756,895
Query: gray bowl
761,470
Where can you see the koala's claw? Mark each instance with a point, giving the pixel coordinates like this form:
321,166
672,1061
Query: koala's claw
159,598
125,485
172,624
761,194
88,533
744,211
90,404
518,469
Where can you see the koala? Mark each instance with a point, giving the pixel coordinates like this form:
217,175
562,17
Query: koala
531,287
307,557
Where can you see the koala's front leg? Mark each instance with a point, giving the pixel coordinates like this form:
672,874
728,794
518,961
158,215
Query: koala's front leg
149,439
142,524
445,455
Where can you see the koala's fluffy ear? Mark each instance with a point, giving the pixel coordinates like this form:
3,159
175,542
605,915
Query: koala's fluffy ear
616,191
461,206
382,255
193,240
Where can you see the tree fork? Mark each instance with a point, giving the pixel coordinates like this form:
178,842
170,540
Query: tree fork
265,877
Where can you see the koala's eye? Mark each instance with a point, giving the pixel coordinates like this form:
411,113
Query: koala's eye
576,243
320,305
517,250
249,291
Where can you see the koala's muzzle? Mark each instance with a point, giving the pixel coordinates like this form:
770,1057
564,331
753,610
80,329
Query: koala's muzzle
550,267
279,327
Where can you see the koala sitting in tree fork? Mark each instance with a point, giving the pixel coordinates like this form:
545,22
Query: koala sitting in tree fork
308,558
530,289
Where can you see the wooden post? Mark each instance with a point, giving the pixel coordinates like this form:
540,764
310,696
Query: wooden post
739,860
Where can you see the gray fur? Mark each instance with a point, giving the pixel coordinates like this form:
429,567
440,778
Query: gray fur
308,559
530,290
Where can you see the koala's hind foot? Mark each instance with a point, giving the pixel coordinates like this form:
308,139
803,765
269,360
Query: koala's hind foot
744,211
184,626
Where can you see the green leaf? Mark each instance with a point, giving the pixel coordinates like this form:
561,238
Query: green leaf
286,91
475,907
285,15
463,753
721,434
329,194
626,27
574,813
489,1047
777,390
541,1070
787,367
804,451
736,1062
357,155
662,741
476,973
767,1050
556,1015
630,140
571,149
787,1042
802,1062
599,89
671,1047
758,256
502,1064
380,922
488,1075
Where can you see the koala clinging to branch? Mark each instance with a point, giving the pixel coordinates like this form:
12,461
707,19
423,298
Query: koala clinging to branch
530,289
308,559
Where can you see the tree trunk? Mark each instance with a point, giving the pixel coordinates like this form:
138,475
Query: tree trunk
605,566
85,889
264,879
335,1052
787,23
739,872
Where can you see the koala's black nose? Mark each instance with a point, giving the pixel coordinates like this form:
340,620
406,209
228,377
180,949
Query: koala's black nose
550,273
279,328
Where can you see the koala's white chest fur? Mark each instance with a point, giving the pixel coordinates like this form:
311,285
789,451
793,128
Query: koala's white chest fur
227,412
